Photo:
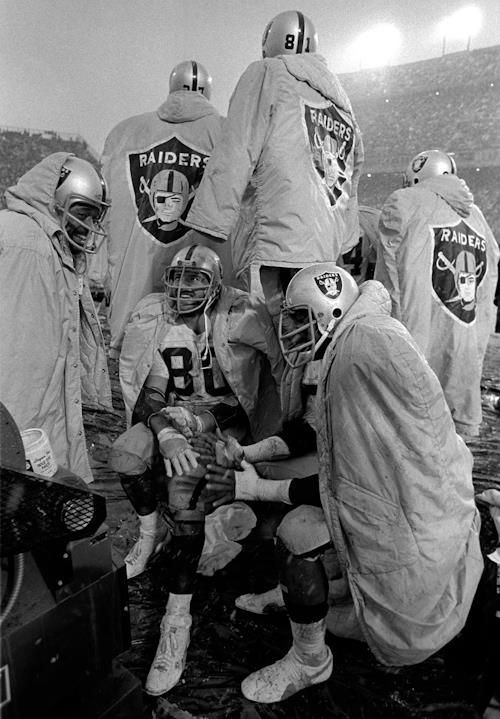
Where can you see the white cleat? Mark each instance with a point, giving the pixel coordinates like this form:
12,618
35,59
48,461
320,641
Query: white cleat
147,544
285,678
268,602
170,658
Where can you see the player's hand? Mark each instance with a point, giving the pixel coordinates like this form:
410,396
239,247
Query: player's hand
179,456
229,451
204,444
183,420
220,484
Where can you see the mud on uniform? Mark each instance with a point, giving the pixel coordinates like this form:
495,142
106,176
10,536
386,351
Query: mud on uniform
195,380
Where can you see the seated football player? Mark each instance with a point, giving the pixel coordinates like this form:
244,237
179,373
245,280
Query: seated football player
197,358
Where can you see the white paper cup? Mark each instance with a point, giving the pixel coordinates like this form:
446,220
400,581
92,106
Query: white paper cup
39,456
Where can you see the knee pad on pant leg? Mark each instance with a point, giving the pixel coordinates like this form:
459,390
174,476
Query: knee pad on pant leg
304,530
133,451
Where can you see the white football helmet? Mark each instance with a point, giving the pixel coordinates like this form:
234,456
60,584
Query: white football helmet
191,75
193,280
81,184
429,163
316,299
289,33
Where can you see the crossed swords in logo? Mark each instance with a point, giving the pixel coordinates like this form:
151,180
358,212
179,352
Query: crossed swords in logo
144,190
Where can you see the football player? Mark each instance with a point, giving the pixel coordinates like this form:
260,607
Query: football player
395,486
282,181
437,256
153,163
52,350
201,362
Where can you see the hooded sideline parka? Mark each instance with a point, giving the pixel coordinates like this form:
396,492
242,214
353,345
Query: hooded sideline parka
178,137
438,258
282,181
396,485
245,345
52,355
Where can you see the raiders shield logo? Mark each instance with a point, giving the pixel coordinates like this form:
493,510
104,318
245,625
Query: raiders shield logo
330,284
459,267
163,179
331,139
418,163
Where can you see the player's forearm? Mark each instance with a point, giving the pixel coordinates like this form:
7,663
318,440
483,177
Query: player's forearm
271,448
148,409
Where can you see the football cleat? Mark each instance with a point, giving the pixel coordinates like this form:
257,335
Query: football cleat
170,657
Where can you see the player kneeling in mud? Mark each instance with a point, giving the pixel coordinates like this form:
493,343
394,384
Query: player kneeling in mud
395,494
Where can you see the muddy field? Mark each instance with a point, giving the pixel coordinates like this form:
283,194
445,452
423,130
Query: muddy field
227,644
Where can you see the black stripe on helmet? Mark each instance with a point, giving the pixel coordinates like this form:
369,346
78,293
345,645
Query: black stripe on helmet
170,181
300,36
190,252
194,86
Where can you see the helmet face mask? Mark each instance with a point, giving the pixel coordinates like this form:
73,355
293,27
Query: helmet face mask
289,33
192,76
193,281
298,334
80,201
430,163
317,298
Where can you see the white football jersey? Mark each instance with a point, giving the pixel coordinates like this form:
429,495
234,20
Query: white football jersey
189,364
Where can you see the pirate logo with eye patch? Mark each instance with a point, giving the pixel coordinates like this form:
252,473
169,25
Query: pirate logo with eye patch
162,179
330,284
459,267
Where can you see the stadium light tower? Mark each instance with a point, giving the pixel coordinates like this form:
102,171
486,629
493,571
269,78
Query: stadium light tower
377,46
463,24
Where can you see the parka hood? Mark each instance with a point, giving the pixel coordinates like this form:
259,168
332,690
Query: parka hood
373,299
33,195
453,190
313,69
185,106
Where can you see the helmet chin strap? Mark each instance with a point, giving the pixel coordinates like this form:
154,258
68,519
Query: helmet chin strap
206,352
326,335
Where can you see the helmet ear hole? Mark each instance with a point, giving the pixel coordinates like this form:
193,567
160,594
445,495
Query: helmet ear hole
336,313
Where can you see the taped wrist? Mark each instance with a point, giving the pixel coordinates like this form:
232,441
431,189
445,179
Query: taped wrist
249,488
168,433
